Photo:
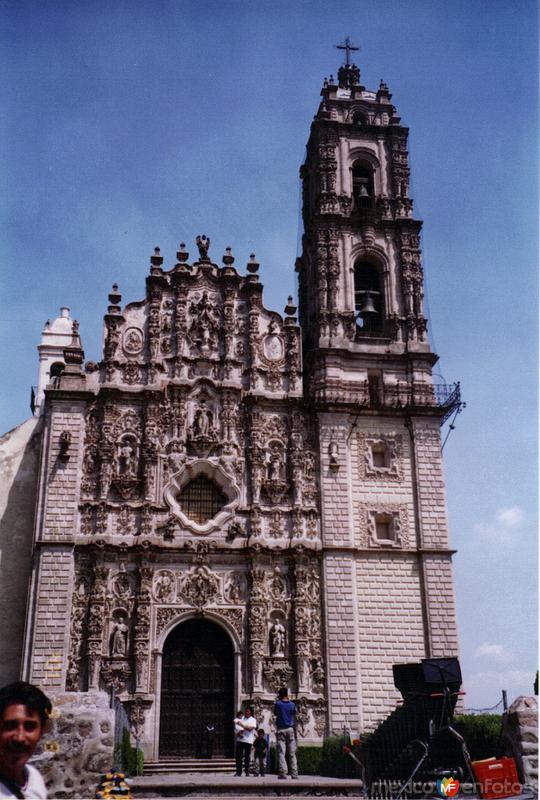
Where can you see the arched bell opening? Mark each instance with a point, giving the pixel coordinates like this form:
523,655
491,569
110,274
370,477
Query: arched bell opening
363,187
368,297
197,691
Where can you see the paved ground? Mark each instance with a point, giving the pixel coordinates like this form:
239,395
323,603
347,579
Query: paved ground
307,787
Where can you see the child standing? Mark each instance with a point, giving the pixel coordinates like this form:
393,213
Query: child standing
260,748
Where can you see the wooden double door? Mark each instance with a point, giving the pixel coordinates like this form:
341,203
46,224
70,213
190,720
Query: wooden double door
197,692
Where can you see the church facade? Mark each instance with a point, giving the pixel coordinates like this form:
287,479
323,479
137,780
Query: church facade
233,499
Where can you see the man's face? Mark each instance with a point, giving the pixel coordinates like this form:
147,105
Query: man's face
20,731
248,712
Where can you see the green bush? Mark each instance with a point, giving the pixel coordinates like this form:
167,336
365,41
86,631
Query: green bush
127,758
482,734
309,759
334,762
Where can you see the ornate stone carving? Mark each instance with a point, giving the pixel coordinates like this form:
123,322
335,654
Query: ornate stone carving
138,707
116,673
278,673
381,457
235,588
234,617
200,586
385,518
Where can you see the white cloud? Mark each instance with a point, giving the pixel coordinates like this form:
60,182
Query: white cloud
503,528
483,689
496,652
510,517
511,679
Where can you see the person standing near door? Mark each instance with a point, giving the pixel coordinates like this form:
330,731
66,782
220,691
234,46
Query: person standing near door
285,711
245,740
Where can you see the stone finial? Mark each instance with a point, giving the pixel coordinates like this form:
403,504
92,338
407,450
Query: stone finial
290,308
182,254
228,258
157,259
252,265
114,300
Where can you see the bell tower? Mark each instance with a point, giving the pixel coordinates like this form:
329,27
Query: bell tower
360,273
368,378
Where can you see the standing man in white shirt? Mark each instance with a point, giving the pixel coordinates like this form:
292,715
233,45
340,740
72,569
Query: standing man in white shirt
244,744
24,713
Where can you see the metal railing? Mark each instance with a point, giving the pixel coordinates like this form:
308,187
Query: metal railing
400,395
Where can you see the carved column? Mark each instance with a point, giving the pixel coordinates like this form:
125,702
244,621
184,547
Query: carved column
96,622
253,339
257,626
142,629
80,604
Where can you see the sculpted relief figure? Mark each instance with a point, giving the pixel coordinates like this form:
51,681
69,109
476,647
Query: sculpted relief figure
164,587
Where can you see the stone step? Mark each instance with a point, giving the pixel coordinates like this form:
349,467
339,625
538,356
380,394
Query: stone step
203,785
185,765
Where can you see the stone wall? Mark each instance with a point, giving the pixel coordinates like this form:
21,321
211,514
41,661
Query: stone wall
520,724
19,457
78,747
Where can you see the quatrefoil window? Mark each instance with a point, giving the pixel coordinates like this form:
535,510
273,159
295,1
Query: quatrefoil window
200,500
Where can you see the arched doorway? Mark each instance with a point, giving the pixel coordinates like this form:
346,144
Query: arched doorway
197,689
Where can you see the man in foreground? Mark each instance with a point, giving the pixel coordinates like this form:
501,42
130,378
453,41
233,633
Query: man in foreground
285,711
24,712
244,743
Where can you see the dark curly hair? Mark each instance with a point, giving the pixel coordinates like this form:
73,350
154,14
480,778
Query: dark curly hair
25,694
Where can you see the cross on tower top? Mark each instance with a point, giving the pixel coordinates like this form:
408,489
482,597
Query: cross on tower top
348,47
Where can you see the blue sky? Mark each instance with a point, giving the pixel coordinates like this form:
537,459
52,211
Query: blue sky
133,124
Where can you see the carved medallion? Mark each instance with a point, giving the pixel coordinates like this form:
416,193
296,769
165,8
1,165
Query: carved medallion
133,341
199,586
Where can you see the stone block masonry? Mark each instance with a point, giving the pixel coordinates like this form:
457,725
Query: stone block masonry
390,628
48,633
341,625
60,487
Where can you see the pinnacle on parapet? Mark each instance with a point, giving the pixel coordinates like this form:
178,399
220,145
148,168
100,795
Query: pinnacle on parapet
182,254
290,308
252,265
157,259
114,300
228,258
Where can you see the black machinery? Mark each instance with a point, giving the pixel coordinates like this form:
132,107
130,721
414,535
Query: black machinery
417,744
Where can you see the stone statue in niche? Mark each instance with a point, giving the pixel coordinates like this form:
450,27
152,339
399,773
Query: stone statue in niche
274,483
204,329
317,676
203,421
274,466
277,639
119,638
126,458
